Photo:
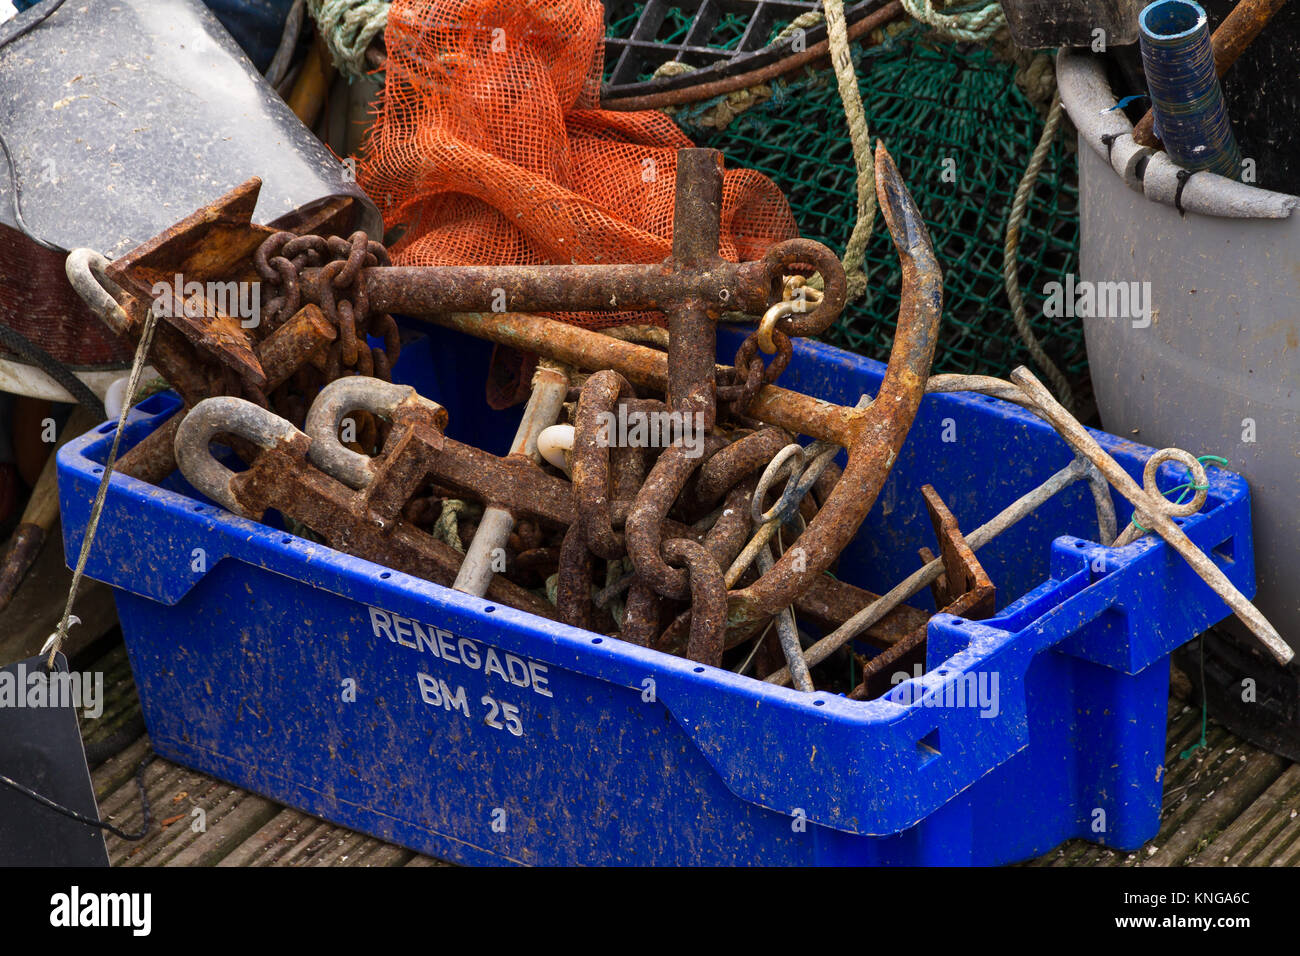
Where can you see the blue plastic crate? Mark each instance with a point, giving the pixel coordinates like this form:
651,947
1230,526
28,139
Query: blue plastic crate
483,734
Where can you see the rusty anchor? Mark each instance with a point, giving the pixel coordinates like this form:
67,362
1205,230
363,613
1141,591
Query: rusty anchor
679,519
693,288
351,500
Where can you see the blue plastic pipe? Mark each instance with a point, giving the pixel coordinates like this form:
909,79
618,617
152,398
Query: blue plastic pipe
1190,115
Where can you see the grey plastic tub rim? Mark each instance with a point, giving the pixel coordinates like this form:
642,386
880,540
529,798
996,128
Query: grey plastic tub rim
1088,100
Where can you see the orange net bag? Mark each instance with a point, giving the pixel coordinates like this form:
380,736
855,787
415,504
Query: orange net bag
491,148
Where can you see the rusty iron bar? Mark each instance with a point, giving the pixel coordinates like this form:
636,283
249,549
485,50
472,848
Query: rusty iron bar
282,477
429,291
920,578
550,385
692,342
1237,31
642,366
1153,507
963,589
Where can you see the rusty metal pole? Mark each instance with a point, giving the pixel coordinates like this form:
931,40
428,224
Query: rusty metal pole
476,572
1153,507
692,338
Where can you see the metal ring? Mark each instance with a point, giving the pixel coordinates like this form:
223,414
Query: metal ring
1200,481
835,285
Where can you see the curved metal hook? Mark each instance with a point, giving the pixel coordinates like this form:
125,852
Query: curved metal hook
87,273
350,394
879,431
234,416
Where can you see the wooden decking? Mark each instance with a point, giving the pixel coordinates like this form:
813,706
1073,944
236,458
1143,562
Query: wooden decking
1227,803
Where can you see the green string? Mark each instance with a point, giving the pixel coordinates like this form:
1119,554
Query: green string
1205,710
1185,487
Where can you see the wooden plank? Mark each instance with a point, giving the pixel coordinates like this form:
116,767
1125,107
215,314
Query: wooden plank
237,819
1263,833
259,843
1233,786
349,844
175,825
381,854
36,609
301,836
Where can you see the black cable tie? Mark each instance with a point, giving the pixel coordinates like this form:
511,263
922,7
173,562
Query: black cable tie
1109,140
1183,176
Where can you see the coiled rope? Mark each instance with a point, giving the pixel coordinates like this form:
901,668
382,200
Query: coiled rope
348,27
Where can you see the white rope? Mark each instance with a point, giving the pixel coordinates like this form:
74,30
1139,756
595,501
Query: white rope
55,641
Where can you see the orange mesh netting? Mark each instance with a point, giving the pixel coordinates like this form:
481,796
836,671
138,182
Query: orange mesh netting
491,148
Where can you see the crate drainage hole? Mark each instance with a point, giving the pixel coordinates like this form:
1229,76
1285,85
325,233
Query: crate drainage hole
1225,551
699,670
597,640
929,744
489,609
386,575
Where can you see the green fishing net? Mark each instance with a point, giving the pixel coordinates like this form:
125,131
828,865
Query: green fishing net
961,132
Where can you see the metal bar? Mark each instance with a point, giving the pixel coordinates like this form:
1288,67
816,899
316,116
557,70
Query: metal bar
550,386
424,291
922,577
591,351
788,634
1161,523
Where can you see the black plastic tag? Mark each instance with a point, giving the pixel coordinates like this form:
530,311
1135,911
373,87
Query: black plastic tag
40,748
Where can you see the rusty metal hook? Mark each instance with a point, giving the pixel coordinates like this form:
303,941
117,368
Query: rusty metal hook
357,393
876,434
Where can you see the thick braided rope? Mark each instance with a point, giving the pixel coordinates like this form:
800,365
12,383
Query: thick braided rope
348,27
803,21
846,79
969,26
1010,259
